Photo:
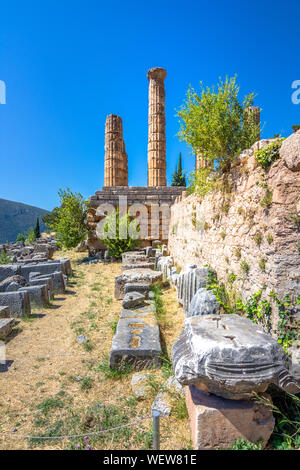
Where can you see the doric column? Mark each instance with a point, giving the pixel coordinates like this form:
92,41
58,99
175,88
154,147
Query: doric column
157,128
202,162
115,164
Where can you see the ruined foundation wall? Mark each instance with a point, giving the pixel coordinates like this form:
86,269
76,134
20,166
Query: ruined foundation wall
233,229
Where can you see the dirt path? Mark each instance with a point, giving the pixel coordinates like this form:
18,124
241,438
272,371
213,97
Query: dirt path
55,386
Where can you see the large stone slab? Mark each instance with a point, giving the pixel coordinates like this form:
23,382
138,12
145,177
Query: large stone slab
57,280
40,282
42,268
39,295
230,356
6,325
137,339
137,287
19,280
133,300
4,311
216,422
135,275
18,303
131,257
204,302
8,270
139,265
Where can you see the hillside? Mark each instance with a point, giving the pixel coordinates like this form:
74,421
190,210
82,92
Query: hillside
16,217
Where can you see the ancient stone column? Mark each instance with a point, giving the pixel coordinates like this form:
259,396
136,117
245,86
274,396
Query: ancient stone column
202,162
252,114
156,129
115,160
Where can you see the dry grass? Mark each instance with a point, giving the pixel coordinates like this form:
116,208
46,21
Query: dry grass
42,393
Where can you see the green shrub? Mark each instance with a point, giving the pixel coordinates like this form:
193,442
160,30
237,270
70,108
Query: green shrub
258,238
69,219
21,238
268,155
269,238
262,264
267,199
245,267
114,228
4,258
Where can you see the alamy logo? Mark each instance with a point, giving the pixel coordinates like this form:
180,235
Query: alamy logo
296,94
2,92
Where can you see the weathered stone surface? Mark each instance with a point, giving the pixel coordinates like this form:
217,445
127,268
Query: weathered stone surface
9,270
137,339
163,400
41,268
131,257
290,151
216,423
220,230
138,265
6,325
35,281
230,356
4,311
18,303
115,166
20,281
133,300
39,295
188,282
137,287
157,133
204,302
142,276
57,280
164,264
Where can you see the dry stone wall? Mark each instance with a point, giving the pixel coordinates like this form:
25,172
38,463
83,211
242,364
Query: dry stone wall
248,232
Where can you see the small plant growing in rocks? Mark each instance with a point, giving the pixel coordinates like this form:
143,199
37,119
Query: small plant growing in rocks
258,238
231,278
262,264
4,258
267,199
245,267
238,253
269,238
268,155
223,235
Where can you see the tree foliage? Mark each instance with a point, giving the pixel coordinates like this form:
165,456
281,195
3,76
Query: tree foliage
178,178
37,231
216,124
69,219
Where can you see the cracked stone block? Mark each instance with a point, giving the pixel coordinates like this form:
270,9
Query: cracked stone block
137,339
18,303
216,422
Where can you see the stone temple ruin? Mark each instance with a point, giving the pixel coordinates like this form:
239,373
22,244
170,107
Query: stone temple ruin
157,197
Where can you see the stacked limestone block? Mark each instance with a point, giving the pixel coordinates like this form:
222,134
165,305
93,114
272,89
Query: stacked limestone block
116,168
157,133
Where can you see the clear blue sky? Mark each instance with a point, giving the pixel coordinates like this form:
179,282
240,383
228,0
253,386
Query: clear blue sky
67,64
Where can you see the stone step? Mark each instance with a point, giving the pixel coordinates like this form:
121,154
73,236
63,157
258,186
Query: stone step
137,339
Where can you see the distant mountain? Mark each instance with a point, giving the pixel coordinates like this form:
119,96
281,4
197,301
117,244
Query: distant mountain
16,218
